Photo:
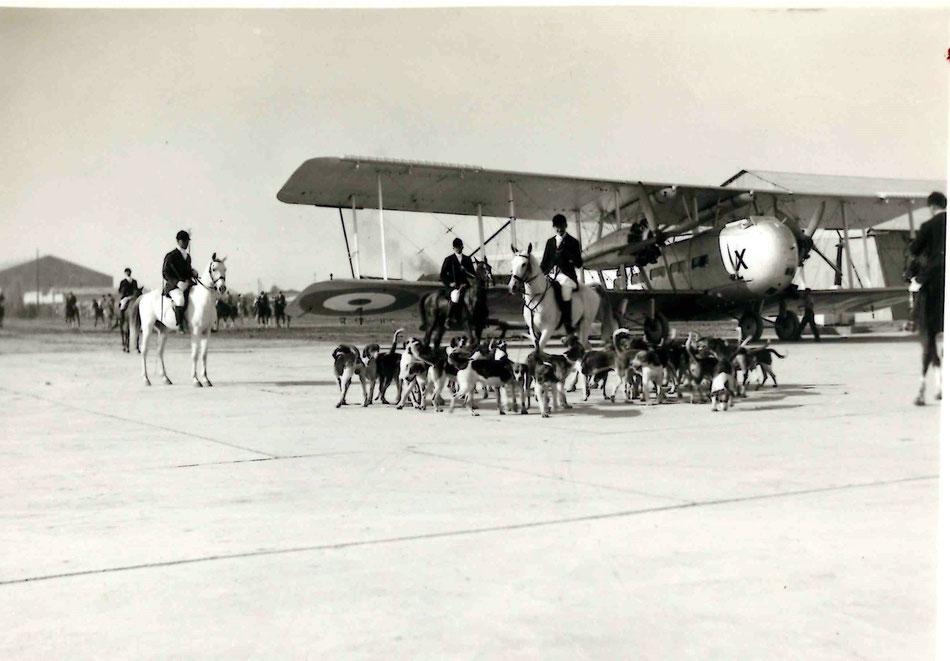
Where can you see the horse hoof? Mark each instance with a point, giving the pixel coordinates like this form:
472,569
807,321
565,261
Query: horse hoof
146,382
208,383
919,400
197,384
166,381
938,396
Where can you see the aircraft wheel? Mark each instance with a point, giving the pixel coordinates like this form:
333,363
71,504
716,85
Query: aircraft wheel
751,325
786,326
656,328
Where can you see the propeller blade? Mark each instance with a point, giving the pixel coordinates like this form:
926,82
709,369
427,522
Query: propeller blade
646,205
815,220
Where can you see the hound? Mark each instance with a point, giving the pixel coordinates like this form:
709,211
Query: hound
346,364
383,368
473,371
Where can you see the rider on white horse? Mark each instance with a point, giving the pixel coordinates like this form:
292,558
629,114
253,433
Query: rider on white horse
562,255
179,276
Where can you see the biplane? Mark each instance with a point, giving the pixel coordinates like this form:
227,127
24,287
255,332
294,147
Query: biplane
693,252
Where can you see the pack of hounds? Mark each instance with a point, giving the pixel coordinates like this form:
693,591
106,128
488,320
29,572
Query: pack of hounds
707,368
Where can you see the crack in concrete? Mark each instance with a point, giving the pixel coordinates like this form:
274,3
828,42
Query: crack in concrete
468,531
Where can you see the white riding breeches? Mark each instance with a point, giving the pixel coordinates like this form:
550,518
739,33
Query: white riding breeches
124,301
567,286
456,295
177,296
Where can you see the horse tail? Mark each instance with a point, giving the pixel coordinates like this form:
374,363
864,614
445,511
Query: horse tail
422,313
392,349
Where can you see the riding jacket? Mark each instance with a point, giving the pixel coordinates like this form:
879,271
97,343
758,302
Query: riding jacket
454,274
929,249
128,287
175,268
566,257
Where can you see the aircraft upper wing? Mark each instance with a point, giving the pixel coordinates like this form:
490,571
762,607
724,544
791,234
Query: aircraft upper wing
459,189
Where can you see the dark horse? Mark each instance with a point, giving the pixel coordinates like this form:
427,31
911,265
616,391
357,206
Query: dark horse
227,310
72,311
434,308
123,317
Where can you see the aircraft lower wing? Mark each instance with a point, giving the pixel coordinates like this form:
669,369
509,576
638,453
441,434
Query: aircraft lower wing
366,297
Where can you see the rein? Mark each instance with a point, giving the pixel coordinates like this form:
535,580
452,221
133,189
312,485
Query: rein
524,282
214,281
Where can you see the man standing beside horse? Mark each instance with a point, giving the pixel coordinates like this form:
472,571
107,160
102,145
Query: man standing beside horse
456,271
179,276
562,256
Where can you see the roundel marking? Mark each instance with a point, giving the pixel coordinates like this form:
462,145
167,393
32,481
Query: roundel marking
365,300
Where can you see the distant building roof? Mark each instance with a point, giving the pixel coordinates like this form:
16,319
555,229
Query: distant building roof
52,272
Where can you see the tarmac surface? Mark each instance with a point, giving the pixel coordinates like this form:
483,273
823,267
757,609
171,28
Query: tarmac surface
255,520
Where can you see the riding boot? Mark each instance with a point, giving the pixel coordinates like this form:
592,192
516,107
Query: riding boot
567,317
180,318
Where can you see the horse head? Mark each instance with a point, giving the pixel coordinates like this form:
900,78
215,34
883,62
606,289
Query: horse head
521,267
217,273
483,273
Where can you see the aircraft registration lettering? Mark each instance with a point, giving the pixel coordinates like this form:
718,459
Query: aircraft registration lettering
740,259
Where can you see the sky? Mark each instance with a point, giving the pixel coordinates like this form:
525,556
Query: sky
120,127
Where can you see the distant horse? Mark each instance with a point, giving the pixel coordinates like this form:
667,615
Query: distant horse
542,313
122,317
262,311
97,313
434,308
72,312
280,313
108,306
227,311
155,312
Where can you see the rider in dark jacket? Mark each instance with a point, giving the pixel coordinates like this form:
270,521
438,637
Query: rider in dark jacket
179,276
457,269
562,256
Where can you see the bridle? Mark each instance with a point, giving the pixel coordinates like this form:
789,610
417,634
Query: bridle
524,282
214,280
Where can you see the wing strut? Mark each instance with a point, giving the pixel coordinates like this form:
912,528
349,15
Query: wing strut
481,234
356,237
346,240
580,238
847,244
511,215
382,225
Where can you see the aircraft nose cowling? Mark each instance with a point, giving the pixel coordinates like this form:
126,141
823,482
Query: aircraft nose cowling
762,252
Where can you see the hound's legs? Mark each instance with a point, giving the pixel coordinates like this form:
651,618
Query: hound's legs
345,384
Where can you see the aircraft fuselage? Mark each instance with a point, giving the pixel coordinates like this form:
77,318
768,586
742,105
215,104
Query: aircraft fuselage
749,259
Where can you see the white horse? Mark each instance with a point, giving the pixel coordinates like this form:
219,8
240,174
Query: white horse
157,312
542,313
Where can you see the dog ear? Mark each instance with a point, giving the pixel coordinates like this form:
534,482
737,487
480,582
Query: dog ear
530,245
513,249
214,257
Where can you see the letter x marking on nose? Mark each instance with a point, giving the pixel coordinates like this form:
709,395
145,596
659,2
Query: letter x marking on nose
740,259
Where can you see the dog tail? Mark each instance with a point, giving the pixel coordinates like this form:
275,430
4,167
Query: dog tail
392,349
616,334
777,353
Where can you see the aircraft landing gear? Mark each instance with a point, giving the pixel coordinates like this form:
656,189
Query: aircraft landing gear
656,328
751,325
787,326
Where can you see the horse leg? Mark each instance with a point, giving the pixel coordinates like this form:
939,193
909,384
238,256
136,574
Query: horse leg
204,358
929,356
545,336
194,361
162,337
145,334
